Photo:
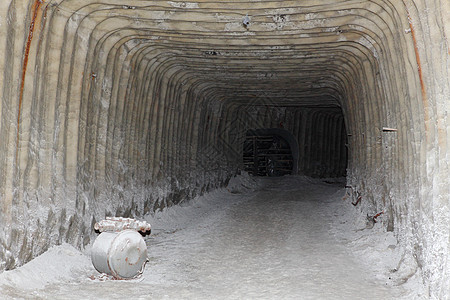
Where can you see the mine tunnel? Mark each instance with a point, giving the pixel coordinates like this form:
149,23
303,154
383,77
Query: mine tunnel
124,108
270,152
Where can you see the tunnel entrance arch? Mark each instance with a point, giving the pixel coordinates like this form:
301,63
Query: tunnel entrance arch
270,152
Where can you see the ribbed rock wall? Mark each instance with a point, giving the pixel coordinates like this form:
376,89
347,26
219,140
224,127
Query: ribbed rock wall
123,107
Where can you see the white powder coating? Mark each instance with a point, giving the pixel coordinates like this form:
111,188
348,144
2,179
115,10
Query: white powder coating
119,224
282,238
368,44
183,4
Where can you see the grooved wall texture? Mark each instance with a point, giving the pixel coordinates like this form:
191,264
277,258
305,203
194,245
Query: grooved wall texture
122,107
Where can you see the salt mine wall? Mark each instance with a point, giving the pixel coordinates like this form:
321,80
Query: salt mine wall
125,107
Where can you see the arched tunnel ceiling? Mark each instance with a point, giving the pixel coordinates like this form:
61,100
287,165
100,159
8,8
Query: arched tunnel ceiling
303,53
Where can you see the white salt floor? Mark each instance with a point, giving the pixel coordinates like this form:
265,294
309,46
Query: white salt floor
279,238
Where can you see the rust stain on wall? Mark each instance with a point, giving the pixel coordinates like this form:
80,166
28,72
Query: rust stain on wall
35,9
419,69
419,65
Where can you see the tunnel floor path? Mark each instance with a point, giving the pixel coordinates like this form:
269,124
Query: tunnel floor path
276,242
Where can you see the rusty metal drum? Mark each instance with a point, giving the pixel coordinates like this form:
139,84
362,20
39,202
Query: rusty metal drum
120,254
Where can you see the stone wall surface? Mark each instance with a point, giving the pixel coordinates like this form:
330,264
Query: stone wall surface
124,107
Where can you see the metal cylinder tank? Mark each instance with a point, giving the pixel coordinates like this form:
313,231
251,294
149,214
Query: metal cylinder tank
120,254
